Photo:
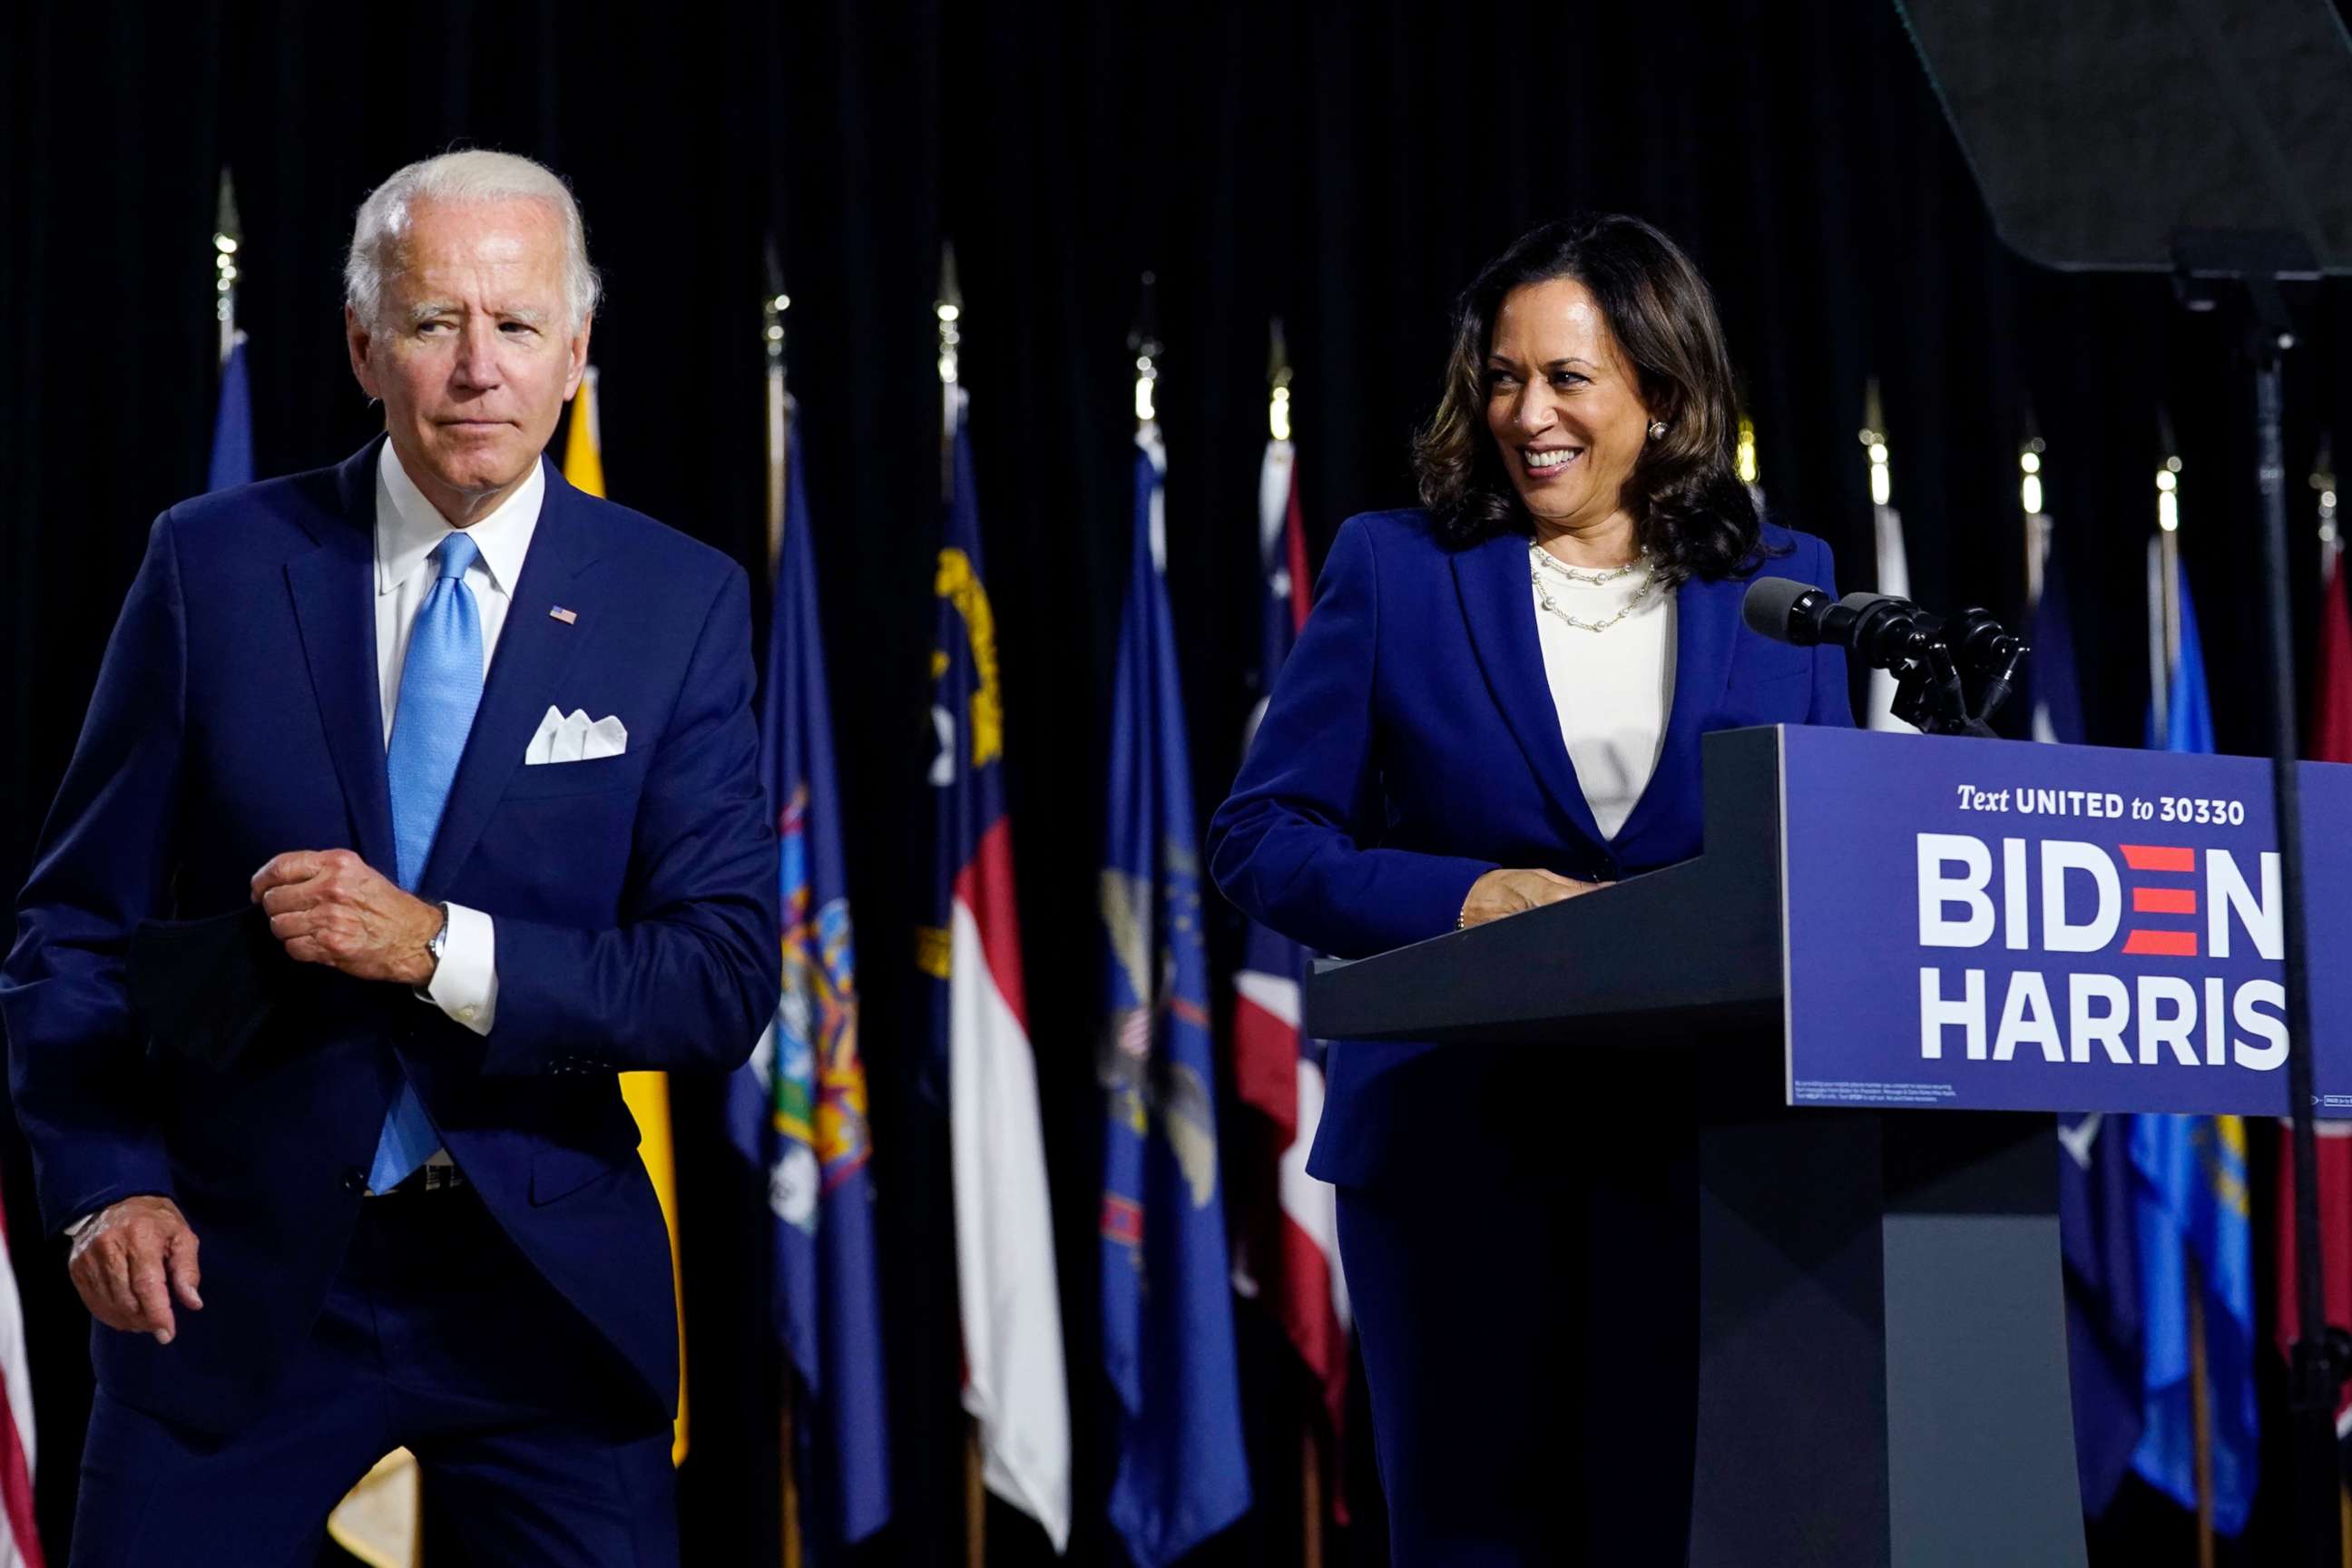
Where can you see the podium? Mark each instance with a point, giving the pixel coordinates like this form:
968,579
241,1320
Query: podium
1881,1357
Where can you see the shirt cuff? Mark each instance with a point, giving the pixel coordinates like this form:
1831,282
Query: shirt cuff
465,984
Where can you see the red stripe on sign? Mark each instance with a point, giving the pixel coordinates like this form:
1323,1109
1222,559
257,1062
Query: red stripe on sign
2164,901
2159,857
2163,943
985,887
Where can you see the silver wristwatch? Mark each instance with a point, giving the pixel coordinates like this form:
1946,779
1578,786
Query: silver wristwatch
440,939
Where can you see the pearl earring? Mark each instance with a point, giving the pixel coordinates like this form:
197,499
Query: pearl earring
1657,429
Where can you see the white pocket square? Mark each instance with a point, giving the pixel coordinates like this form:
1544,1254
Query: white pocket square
572,739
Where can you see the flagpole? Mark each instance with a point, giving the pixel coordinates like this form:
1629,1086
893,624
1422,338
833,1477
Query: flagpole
228,239
773,307
2167,607
2037,525
2323,480
1280,406
2164,590
1145,342
1744,460
949,309
772,337
2200,1403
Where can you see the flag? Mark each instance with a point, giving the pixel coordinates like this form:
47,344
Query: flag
647,1093
2193,1202
1167,1326
1894,583
20,1540
2097,1192
231,460
1292,1257
2055,691
2331,741
1015,1386
797,1110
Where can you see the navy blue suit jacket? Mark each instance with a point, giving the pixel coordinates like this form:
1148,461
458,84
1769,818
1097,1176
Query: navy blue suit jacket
1411,745
236,715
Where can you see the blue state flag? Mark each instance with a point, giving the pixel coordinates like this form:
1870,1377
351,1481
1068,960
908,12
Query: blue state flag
231,460
1167,1326
2193,1205
2098,1194
2098,1231
2054,689
798,1111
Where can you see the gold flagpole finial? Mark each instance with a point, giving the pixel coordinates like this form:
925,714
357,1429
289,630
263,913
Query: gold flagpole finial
1145,342
1278,377
228,239
1873,441
2323,480
2030,450
2030,453
949,308
2166,601
773,306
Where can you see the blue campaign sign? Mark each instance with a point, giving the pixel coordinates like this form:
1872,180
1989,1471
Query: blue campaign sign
1995,926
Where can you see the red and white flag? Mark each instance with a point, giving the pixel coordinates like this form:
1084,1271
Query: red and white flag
1015,1386
1290,1256
20,1543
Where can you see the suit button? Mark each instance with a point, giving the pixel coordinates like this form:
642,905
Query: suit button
355,1181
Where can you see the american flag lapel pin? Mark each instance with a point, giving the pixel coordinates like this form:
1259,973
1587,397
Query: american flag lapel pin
560,613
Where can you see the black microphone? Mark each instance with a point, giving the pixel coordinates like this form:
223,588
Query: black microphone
1880,631
1924,651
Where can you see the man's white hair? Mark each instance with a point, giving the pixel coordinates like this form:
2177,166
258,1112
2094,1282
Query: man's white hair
462,177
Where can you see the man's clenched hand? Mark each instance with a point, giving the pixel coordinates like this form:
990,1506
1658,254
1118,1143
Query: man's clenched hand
132,1261
329,907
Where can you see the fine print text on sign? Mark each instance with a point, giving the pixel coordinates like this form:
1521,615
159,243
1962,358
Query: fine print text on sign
1993,925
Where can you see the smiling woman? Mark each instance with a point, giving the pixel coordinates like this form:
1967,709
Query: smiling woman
1590,352
1496,704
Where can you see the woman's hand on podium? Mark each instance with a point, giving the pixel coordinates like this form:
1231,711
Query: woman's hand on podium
1506,891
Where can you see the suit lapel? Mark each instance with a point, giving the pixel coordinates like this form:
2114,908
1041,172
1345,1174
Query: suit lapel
1498,606
1705,620
534,652
333,589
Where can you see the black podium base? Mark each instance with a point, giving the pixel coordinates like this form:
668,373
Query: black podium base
1883,1347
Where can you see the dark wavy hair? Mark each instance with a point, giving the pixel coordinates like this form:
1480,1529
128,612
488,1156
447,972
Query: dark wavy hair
1689,509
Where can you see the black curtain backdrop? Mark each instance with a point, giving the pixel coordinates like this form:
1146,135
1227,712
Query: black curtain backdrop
1345,167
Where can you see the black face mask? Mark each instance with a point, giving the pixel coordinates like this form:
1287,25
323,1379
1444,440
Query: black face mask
206,989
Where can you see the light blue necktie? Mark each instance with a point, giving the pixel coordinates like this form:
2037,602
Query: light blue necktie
440,687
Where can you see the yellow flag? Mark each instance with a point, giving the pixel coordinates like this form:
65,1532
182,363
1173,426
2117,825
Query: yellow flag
646,1092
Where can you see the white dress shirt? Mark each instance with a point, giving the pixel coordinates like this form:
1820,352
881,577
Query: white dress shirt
407,530
1612,690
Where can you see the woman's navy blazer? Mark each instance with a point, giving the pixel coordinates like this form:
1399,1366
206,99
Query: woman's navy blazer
1411,745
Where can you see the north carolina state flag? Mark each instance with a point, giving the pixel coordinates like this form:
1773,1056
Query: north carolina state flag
1015,1386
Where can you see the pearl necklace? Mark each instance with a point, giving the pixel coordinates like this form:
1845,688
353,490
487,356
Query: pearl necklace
1543,558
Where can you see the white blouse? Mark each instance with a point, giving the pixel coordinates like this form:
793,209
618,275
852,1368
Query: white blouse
1612,689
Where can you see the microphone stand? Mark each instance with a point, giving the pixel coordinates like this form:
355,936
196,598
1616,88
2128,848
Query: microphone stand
1929,694
2206,263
